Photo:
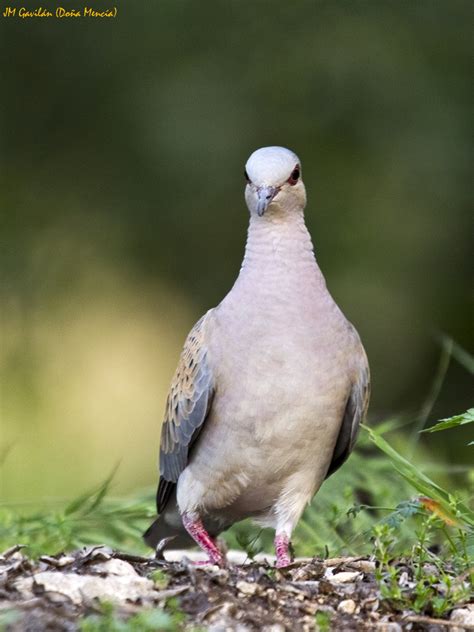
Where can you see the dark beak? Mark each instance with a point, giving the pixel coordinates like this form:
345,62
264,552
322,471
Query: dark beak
265,196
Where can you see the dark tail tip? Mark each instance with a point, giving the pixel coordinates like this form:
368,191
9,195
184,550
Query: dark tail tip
151,535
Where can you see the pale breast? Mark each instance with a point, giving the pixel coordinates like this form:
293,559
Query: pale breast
279,401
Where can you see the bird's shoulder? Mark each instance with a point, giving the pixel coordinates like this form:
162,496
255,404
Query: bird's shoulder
192,372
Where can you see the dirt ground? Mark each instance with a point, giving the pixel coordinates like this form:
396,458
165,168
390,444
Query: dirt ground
55,593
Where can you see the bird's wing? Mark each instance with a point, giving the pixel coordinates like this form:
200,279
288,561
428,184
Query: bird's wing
188,403
355,411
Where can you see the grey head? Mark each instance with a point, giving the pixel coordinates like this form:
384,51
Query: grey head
274,182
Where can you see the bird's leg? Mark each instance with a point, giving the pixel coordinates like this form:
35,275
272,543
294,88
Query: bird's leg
195,528
283,552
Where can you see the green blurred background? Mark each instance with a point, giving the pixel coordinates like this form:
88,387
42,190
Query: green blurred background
121,193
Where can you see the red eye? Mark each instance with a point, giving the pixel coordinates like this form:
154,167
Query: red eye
295,174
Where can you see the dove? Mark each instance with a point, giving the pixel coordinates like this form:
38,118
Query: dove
271,386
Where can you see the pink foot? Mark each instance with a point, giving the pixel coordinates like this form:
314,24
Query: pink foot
282,550
196,530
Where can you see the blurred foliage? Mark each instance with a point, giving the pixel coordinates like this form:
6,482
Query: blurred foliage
91,518
122,213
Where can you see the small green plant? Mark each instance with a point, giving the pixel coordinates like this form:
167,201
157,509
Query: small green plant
323,620
422,581
150,620
160,579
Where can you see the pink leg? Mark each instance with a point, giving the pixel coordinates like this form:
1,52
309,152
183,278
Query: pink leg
196,530
282,550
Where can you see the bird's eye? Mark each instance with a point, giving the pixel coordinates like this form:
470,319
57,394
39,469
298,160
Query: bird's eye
246,175
295,174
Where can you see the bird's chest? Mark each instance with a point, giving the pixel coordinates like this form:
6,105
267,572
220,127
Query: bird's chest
281,368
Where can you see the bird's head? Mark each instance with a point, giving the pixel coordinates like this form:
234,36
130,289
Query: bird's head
274,182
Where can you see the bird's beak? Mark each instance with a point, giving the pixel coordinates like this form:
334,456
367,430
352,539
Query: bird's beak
264,196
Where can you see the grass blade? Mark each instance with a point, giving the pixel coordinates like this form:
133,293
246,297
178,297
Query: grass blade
422,483
452,422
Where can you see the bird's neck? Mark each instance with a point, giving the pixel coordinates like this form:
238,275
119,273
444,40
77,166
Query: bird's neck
279,251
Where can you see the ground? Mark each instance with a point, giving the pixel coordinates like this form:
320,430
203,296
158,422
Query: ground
76,591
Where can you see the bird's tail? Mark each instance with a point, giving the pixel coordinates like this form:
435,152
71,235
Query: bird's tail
168,526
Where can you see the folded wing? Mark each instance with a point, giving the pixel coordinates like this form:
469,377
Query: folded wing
187,406
355,411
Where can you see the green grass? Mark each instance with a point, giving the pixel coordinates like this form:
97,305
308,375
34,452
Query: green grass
436,586
92,518
453,422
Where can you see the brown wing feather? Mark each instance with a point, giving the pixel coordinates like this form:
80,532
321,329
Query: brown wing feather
188,403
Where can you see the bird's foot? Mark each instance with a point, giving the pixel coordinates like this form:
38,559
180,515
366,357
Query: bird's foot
196,530
283,550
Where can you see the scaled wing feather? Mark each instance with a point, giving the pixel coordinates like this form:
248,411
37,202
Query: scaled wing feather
188,403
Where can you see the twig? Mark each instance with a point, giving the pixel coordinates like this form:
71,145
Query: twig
418,618
12,550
